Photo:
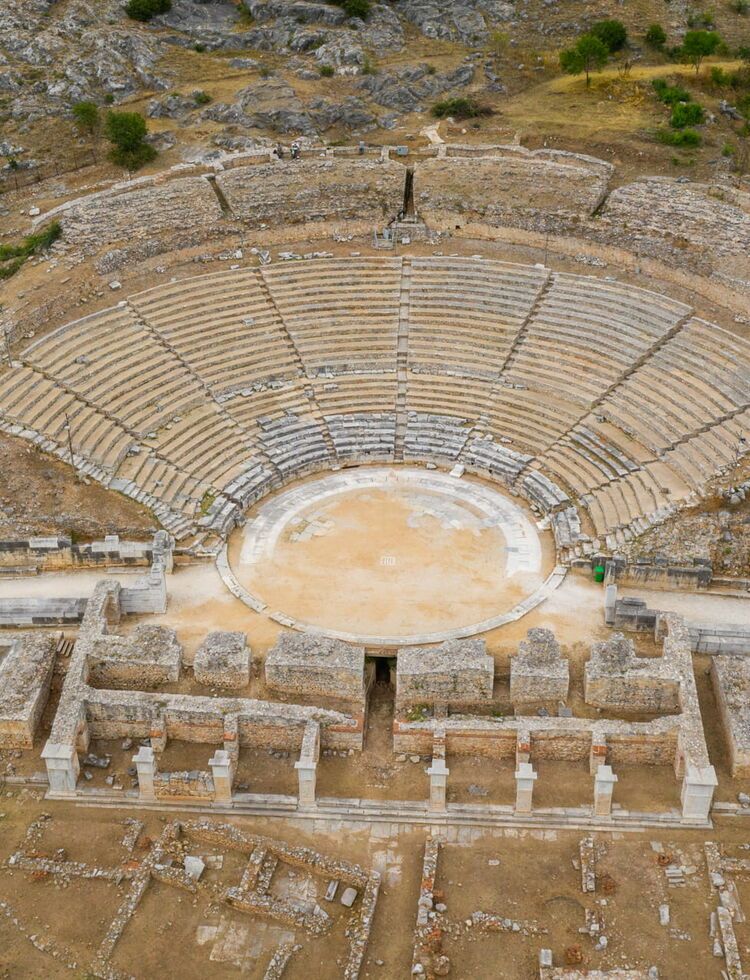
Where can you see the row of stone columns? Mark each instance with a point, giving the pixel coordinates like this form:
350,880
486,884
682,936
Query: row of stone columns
696,795
63,768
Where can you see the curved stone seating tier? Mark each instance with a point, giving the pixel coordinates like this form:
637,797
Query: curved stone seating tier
464,315
224,326
586,333
369,436
441,436
115,363
356,393
341,315
199,396
35,402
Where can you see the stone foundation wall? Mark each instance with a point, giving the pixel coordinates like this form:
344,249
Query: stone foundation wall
316,666
730,677
25,678
301,191
524,188
659,575
162,212
456,672
53,553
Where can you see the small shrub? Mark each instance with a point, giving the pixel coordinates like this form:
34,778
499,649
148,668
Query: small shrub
86,116
727,150
201,98
683,137
460,108
200,48
612,33
327,71
127,133
144,10
109,99
740,7
13,257
656,36
686,114
354,8
670,94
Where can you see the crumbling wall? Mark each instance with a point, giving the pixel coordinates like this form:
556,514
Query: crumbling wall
615,678
308,665
302,191
519,188
539,674
161,212
25,678
455,672
731,682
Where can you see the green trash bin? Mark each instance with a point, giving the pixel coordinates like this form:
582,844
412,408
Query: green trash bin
599,571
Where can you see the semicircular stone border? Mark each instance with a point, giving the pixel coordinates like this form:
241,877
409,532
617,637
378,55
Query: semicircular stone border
524,552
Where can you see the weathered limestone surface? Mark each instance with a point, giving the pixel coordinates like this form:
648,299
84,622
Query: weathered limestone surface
316,665
25,677
731,682
165,210
296,191
615,678
455,672
149,656
710,218
539,674
520,187
223,660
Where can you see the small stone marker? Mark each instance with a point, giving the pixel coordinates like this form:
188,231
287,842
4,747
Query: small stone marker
348,897
333,887
194,866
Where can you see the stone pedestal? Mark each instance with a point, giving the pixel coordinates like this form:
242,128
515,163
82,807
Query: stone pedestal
221,770
62,768
145,763
610,603
697,792
604,784
525,778
438,773
306,776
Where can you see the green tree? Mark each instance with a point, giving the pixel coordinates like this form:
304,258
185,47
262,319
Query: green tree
612,33
656,36
86,116
698,45
146,9
127,133
589,54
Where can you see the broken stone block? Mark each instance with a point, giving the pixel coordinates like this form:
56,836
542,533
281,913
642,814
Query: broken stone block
348,897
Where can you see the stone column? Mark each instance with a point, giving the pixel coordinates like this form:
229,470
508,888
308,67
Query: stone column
525,778
221,770
438,773
610,602
306,776
604,784
697,792
62,768
145,763
523,746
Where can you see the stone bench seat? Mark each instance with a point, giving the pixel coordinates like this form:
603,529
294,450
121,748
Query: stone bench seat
368,434
497,460
362,394
178,490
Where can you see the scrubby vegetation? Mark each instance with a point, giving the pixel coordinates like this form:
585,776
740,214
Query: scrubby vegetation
144,10
612,34
12,257
656,36
354,8
127,133
460,108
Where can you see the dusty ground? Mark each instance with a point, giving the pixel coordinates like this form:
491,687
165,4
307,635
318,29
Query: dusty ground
38,496
530,877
